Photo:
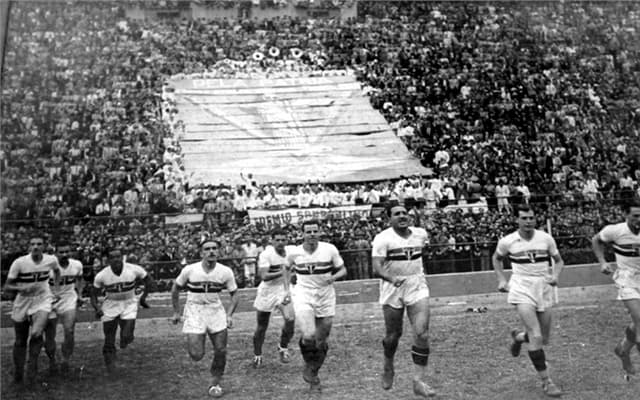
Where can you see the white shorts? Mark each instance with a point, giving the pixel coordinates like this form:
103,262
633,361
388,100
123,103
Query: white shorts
125,309
532,290
67,302
25,306
204,318
269,297
320,302
628,284
410,292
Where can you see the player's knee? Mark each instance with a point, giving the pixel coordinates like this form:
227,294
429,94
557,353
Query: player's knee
535,340
545,340
422,338
196,355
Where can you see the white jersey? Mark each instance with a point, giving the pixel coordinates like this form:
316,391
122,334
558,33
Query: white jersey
68,277
274,262
26,272
313,269
528,257
204,287
625,243
402,256
119,287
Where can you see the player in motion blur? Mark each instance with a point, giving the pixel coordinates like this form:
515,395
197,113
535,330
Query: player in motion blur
624,238
64,310
273,294
397,259
317,265
120,305
204,313
29,277
530,288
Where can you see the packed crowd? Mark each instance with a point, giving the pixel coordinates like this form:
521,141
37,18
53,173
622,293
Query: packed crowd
507,103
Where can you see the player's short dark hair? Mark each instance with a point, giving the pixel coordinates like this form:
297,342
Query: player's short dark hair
631,203
523,208
63,243
278,232
37,235
208,239
310,222
390,205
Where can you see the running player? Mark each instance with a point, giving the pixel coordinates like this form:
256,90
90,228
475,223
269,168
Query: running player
273,294
29,277
317,265
397,259
625,241
64,310
120,307
530,288
204,314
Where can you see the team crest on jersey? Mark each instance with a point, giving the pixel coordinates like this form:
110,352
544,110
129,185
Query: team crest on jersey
408,253
311,268
532,256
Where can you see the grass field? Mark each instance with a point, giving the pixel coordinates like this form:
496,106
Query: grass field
470,360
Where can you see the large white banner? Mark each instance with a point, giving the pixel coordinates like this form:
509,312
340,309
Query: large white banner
298,215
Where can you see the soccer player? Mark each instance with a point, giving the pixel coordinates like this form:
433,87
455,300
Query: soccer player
397,259
273,294
29,277
317,265
204,314
625,241
64,310
530,288
120,306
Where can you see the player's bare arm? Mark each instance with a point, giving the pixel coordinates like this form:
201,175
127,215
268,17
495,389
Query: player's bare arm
232,308
598,247
497,266
378,268
557,270
340,272
175,302
147,281
94,301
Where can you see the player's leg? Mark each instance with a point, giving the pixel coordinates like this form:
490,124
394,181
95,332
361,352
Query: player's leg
262,323
306,320
68,319
219,342
287,331
127,328
36,340
631,336
419,314
21,330
50,342
323,329
529,317
393,321
195,345
109,328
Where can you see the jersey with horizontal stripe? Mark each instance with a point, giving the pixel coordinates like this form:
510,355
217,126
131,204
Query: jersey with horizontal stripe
204,287
119,287
313,269
625,244
528,257
402,256
68,277
26,272
270,259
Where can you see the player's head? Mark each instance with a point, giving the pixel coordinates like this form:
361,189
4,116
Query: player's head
114,258
632,213
36,245
526,218
398,216
63,251
209,249
279,238
311,231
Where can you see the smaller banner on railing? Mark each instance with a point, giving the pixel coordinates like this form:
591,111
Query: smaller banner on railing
297,215
183,219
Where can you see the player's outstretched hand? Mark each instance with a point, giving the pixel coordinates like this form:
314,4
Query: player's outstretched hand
229,321
503,286
144,304
175,318
99,314
551,280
